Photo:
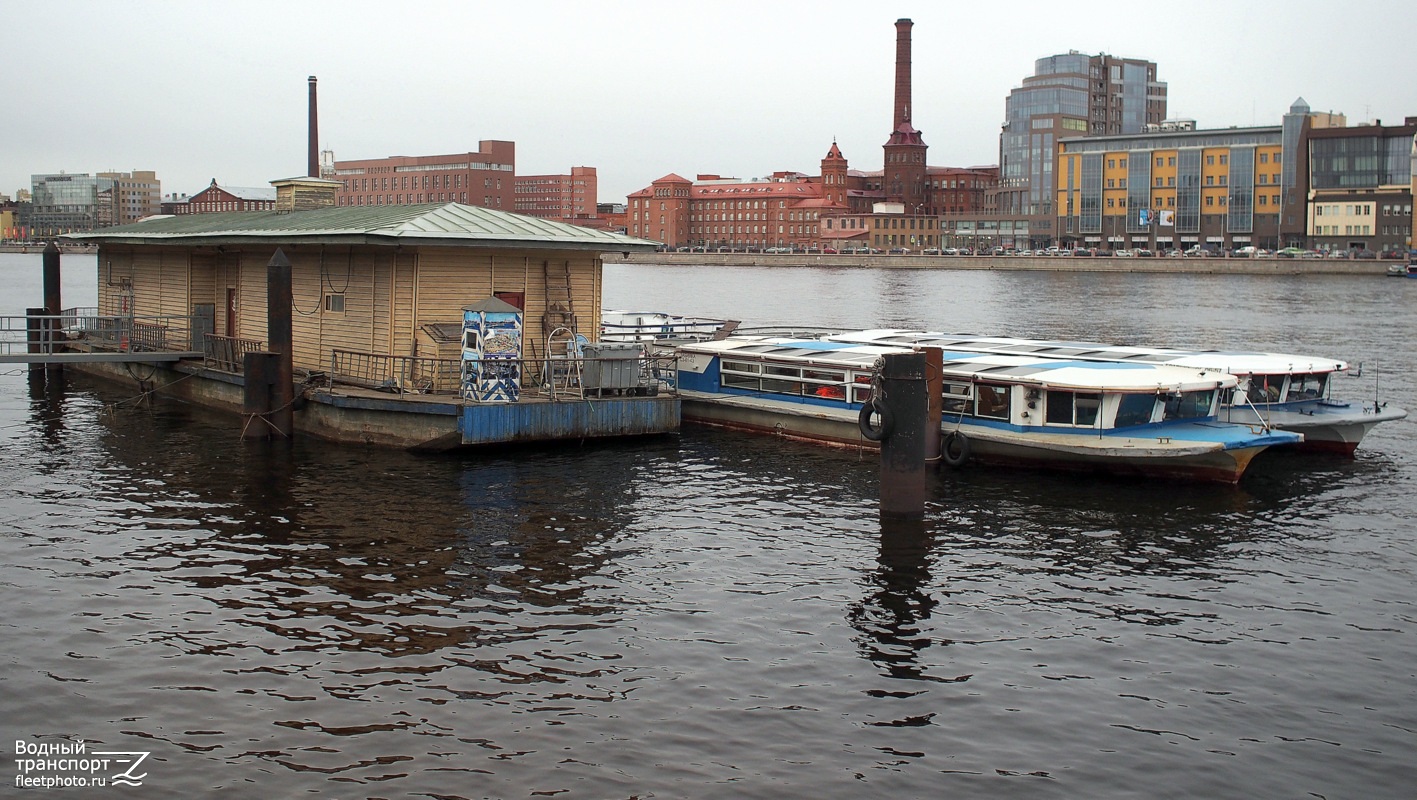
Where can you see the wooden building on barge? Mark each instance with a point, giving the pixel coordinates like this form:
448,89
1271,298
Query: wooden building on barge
378,299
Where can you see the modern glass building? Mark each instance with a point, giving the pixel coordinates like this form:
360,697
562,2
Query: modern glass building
69,203
1068,95
1171,190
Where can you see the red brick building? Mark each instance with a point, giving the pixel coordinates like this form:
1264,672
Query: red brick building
484,178
216,199
896,207
567,198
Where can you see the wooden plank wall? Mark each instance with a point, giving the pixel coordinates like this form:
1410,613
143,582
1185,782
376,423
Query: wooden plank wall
450,278
388,293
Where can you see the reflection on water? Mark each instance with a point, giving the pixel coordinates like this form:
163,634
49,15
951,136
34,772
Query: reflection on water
709,614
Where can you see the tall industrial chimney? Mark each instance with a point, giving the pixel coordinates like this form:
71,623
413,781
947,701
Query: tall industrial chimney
313,163
902,73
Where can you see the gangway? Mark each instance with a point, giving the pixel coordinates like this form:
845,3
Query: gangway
82,336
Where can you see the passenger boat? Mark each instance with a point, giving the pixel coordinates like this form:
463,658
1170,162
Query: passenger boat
651,326
1282,391
1131,419
1402,270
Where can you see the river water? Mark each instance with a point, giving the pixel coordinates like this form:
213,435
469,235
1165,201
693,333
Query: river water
716,615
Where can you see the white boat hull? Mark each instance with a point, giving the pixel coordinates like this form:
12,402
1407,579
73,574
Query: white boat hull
1114,455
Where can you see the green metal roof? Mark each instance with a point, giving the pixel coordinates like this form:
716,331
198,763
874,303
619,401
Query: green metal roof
447,224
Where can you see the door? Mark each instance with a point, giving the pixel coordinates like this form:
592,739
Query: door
231,313
203,323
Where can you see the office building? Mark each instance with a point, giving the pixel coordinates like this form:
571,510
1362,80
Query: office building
136,195
484,178
568,198
1068,95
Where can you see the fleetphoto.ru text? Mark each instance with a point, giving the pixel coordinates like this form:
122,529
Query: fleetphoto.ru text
71,764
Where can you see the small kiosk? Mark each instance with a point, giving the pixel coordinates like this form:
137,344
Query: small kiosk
492,351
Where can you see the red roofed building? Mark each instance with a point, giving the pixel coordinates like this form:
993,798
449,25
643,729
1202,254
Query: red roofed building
712,212
898,207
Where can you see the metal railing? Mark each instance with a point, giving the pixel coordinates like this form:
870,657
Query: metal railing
228,353
539,377
50,333
400,374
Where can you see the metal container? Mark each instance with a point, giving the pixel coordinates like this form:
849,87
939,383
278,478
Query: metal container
612,365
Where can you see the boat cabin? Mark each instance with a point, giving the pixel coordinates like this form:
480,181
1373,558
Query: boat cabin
984,388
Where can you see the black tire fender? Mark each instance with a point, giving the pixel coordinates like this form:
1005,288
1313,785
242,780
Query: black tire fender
954,449
863,421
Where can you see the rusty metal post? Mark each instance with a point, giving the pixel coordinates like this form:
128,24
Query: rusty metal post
280,335
935,396
905,396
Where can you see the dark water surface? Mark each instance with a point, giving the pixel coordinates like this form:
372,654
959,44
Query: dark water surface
716,615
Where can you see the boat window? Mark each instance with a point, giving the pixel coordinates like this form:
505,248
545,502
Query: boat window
861,389
781,386
786,372
992,401
1189,405
1072,408
956,398
1306,386
741,366
1265,388
729,379
1134,409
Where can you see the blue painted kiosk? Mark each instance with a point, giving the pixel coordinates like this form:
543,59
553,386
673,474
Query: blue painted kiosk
492,352
496,409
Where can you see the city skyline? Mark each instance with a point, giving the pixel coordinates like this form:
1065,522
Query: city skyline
635,89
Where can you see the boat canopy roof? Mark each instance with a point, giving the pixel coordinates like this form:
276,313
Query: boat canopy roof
1044,372
1234,362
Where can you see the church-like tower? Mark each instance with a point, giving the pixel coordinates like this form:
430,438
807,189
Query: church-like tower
834,177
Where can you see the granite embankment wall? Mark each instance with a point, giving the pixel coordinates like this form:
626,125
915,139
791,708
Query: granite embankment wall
1232,266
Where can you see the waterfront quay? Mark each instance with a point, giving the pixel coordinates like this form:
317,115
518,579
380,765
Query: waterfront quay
1197,265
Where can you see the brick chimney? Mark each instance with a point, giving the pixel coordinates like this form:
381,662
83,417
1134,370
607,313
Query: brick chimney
313,161
902,73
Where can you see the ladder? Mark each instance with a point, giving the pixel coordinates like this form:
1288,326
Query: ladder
562,371
560,311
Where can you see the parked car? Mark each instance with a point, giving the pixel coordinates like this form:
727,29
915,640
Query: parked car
934,251
831,251
1144,254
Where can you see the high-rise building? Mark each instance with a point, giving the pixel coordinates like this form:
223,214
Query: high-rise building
1068,95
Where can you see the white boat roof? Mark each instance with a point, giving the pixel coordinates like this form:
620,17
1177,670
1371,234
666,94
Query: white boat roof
1234,362
965,365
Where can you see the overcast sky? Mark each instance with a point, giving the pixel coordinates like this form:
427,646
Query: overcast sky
199,90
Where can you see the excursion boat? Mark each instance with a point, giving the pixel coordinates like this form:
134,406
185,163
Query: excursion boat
1131,419
1282,391
1402,270
655,326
